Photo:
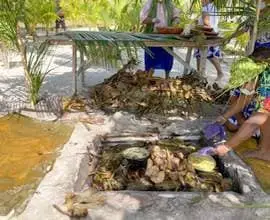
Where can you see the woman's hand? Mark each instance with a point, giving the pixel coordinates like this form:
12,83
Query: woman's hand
222,150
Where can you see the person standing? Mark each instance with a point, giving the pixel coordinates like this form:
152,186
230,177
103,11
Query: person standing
154,14
210,19
60,21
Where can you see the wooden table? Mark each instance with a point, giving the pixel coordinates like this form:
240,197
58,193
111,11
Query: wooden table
181,42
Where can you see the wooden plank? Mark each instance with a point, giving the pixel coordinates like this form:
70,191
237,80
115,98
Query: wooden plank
180,42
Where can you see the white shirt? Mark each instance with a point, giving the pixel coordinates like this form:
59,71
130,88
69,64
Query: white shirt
211,9
161,13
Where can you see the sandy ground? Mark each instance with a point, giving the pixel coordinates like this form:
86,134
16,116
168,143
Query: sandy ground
60,81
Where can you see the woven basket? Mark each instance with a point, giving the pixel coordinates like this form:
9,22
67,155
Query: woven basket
169,30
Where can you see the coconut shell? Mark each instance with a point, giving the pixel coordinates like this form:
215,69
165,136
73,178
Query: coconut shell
149,163
158,161
180,155
173,176
159,178
181,180
175,163
152,171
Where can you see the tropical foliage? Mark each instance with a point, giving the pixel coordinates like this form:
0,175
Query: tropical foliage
14,16
240,42
36,70
85,12
39,12
10,16
244,70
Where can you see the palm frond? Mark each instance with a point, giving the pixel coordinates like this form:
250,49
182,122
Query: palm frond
10,14
36,71
106,48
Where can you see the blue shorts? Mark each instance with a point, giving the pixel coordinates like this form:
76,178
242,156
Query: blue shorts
212,52
249,109
262,44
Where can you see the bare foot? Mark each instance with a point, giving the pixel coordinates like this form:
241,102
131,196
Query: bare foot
258,154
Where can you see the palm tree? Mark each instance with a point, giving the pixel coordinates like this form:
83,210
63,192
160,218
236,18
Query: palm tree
13,17
39,12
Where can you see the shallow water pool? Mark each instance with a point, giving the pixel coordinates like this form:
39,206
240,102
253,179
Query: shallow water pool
27,151
260,168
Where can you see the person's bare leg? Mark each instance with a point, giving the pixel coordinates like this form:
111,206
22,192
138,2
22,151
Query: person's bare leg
244,133
263,151
198,63
216,64
247,129
167,74
231,127
240,118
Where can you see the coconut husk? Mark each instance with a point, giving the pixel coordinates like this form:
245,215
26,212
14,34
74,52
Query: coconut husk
142,93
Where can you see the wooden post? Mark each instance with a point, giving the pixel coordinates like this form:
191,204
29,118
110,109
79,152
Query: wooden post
188,58
253,37
74,68
82,69
178,58
203,61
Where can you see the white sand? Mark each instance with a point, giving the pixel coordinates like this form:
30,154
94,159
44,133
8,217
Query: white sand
60,80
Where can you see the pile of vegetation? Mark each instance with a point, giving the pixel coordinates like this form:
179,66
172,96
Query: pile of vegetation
140,92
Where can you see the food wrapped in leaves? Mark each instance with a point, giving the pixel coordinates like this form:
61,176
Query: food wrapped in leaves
200,162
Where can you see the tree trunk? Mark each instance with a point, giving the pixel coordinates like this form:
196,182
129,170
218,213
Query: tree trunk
253,37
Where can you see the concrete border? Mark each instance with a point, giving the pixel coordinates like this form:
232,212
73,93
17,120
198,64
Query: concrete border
69,173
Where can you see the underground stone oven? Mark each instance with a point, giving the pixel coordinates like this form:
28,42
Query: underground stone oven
116,186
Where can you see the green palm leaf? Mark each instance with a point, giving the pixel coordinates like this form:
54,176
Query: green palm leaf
106,47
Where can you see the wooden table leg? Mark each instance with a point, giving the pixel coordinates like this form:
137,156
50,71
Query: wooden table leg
203,61
188,58
179,59
82,69
74,68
